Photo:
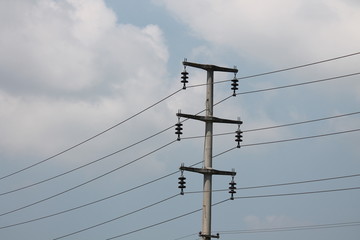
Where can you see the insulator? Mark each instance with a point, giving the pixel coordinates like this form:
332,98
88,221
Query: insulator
182,183
238,137
184,77
234,85
178,130
232,188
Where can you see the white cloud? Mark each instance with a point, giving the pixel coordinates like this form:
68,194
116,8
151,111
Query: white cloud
69,64
273,31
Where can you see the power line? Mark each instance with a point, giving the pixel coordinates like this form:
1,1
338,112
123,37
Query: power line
298,193
282,70
85,165
244,197
254,144
166,129
161,100
284,184
170,174
282,125
134,144
299,84
91,138
117,218
279,229
165,221
302,138
293,228
90,203
295,67
87,182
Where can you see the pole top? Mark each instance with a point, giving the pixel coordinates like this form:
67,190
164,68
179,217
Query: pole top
209,67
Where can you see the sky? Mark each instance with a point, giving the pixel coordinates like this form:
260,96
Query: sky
89,92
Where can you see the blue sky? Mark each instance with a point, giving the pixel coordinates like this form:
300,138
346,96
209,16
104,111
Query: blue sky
72,69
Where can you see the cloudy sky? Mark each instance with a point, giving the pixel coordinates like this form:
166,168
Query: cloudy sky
89,90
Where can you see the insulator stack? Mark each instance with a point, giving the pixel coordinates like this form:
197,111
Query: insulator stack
178,129
182,183
184,77
238,136
234,85
232,188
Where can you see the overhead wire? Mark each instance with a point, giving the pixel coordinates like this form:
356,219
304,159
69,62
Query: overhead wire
162,222
111,154
86,182
282,125
90,138
84,165
164,130
300,84
298,193
281,70
117,218
295,67
235,198
289,140
161,100
173,173
281,184
292,228
155,180
280,229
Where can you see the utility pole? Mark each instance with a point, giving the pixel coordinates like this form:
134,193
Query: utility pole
209,119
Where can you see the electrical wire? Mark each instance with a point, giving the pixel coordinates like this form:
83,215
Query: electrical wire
134,144
165,221
282,184
282,125
298,193
117,218
302,138
161,100
289,140
85,165
262,143
300,84
235,198
96,201
280,229
90,138
173,173
295,67
280,70
293,228
87,182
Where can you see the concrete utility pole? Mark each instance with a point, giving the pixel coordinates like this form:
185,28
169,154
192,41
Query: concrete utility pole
207,169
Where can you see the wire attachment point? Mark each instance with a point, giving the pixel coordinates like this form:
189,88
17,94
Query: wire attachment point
238,136
182,181
232,188
178,129
234,85
184,77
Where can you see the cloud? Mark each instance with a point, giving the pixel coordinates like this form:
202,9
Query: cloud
70,65
273,31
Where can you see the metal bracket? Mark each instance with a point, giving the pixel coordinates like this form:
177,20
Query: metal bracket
209,67
209,118
209,236
209,171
